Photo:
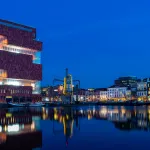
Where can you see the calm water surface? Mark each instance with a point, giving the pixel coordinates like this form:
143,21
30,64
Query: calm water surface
76,128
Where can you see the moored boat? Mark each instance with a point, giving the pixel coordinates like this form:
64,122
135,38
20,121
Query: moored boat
36,104
18,104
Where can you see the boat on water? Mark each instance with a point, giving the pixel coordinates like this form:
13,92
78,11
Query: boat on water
36,104
18,104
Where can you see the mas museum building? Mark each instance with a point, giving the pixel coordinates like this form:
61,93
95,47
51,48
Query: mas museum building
20,63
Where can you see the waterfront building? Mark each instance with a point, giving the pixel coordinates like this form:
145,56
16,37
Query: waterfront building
129,81
126,81
117,93
142,90
45,93
80,95
147,80
102,94
87,95
90,94
97,91
20,63
51,93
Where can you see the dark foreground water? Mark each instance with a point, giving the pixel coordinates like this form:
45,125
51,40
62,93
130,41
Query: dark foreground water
88,128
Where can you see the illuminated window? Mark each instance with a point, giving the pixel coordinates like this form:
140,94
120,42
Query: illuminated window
37,58
3,73
16,49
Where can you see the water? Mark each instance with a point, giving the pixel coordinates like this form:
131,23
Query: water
88,128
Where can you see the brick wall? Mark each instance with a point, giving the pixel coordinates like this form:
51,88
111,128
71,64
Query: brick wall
20,66
20,37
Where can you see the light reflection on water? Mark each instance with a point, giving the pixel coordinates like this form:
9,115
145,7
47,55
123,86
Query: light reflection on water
54,128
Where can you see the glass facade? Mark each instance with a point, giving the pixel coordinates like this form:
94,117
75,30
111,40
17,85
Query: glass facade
37,58
36,87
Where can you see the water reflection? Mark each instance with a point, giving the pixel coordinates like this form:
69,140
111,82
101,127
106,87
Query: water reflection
66,117
20,126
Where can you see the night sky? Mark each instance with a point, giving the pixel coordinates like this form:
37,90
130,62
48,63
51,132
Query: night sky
98,40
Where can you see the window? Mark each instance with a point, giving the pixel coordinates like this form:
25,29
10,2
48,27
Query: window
37,58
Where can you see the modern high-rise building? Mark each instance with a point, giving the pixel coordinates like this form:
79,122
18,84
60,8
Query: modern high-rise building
126,81
20,63
130,81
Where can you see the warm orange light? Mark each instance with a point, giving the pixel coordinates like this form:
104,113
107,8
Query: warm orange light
3,41
3,137
55,116
3,74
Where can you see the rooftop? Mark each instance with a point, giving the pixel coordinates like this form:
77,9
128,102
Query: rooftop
16,25
120,86
127,77
100,89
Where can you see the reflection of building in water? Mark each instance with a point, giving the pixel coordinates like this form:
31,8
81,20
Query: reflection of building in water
18,129
66,117
140,120
26,122
3,138
124,118
24,141
68,128
134,117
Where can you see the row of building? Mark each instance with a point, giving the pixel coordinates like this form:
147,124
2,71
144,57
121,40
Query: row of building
21,72
124,88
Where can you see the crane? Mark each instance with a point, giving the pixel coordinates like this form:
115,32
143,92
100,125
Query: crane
68,85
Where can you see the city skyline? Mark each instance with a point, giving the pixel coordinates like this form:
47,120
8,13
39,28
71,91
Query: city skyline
104,40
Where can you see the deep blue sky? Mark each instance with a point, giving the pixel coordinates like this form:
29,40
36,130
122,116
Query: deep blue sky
98,40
